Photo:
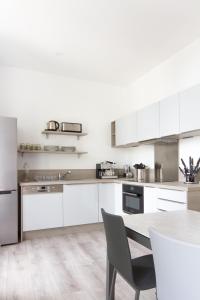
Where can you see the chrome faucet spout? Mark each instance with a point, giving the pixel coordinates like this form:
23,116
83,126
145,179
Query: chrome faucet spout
61,176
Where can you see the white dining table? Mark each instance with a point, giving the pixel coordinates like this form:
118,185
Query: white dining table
181,225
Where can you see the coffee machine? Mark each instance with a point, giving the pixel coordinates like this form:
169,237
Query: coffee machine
106,170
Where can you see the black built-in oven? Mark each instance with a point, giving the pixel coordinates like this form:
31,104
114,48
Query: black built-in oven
133,199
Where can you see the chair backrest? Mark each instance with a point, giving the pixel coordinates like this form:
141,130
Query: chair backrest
117,245
177,266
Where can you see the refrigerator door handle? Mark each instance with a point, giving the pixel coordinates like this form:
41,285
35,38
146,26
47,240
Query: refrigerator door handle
6,192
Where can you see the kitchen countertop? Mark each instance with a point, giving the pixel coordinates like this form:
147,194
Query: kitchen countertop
180,186
181,225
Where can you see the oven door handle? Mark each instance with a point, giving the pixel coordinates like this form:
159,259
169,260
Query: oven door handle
131,194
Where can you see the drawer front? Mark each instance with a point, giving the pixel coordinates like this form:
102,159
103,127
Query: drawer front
168,205
177,196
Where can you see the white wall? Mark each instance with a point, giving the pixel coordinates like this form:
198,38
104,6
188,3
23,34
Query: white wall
37,97
34,98
189,147
179,72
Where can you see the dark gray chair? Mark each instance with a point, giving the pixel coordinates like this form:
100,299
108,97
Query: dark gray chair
138,272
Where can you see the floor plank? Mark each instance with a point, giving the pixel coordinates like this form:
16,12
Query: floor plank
69,266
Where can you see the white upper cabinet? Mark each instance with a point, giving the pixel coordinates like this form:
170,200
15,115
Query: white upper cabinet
169,116
190,109
126,130
174,115
148,122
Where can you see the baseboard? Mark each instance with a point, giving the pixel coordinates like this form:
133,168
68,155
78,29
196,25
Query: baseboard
30,235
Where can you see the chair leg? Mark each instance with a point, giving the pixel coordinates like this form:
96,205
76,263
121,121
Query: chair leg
137,295
112,288
109,279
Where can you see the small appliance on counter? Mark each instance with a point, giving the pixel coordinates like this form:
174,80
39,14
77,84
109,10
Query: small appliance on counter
127,172
190,173
106,170
52,126
71,127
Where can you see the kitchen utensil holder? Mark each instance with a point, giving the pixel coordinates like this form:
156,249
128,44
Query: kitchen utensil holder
190,178
141,175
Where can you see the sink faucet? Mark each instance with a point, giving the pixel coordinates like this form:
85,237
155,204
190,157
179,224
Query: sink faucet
61,176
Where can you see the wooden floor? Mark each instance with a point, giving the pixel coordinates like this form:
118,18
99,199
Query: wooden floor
68,266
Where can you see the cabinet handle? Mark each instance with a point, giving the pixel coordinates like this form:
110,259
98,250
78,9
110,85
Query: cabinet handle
159,209
134,195
172,201
5,192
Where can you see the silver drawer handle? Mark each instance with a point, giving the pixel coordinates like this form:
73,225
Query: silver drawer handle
159,209
172,201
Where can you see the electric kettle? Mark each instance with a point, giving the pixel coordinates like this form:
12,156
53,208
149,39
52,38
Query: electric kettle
52,125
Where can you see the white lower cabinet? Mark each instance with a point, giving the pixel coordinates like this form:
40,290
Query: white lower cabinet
110,198
118,199
157,199
42,211
80,204
150,199
168,205
171,200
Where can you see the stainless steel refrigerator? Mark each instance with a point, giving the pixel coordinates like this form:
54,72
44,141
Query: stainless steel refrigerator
8,181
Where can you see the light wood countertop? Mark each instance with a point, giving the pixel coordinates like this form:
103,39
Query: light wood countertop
165,185
181,225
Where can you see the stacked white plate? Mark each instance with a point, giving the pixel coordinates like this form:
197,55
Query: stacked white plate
51,148
67,149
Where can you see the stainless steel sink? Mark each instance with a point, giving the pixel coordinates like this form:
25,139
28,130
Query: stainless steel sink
47,178
59,177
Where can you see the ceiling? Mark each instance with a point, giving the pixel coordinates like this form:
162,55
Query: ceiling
113,41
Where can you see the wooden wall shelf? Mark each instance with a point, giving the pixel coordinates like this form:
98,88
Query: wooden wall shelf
78,153
78,135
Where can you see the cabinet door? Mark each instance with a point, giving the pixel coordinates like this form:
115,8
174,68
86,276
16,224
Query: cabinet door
126,130
110,198
148,122
169,116
189,109
80,204
106,198
42,211
118,199
150,199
